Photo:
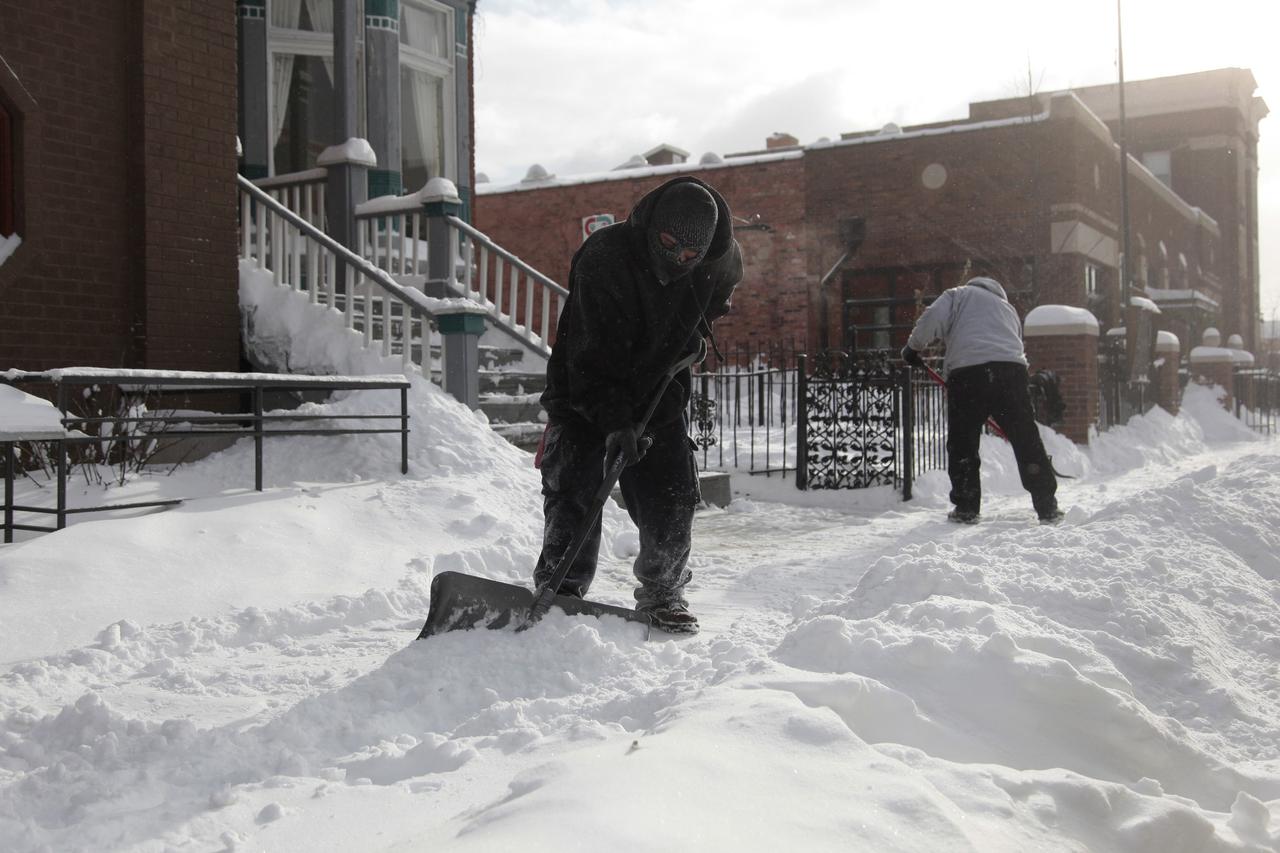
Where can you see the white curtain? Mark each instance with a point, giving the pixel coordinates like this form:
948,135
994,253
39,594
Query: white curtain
321,12
422,29
425,92
284,13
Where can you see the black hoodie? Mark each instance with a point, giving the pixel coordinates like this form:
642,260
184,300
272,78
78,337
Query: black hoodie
621,329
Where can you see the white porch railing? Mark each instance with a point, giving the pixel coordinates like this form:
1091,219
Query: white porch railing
519,300
301,192
393,319
516,294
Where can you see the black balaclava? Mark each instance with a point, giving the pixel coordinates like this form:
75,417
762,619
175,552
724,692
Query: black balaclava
687,212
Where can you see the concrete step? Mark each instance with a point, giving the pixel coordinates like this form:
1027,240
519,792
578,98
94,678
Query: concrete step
511,409
511,382
523,435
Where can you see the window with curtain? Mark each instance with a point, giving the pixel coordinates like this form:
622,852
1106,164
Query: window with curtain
426,38
421,127
302,96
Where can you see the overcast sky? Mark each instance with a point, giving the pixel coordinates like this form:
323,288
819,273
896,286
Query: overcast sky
582,85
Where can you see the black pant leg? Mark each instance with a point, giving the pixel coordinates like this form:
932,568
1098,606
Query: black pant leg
661,493
572,470
967,411
1014,414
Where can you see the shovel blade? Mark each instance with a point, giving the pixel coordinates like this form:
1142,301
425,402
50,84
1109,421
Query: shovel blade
461,601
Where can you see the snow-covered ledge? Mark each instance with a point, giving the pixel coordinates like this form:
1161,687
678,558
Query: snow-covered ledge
355,151
435,190
24,417
1047,320
1145,304
9,245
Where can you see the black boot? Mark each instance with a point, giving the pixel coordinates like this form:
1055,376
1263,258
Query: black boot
673,617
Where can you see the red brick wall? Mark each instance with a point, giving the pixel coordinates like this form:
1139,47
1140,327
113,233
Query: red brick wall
1168,389
544,228
188,145
1216,373
1074,358
1004,187
128,209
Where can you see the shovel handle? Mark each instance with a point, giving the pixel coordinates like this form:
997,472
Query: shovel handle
544,595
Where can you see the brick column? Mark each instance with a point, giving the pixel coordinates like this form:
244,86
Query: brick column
1215,366
1064,339
1168,355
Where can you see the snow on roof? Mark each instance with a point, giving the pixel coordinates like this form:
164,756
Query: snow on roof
1046,320
658,149
23,416
637,172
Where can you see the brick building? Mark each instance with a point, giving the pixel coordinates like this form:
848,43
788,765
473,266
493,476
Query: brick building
118,157
123,125
1025,190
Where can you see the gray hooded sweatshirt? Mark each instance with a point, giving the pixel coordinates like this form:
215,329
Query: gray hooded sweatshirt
975,321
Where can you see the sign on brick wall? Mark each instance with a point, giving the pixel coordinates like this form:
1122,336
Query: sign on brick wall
595,222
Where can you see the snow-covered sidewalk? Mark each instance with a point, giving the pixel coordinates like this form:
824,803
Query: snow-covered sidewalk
239,673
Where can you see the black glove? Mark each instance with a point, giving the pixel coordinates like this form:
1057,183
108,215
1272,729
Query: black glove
912,357
624,441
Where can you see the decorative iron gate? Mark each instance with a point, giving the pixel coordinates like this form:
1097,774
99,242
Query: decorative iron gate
854,410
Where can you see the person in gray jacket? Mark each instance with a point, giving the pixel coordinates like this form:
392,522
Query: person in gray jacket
986,374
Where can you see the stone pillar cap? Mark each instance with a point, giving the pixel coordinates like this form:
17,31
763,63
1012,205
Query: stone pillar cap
439,189
1211,337
1212,355
1167,342
1046,320
355,151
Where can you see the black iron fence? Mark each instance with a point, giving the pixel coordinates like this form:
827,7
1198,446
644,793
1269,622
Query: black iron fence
743,409
834,420
1257,398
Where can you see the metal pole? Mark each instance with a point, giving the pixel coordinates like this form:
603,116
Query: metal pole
1124,172
908,430
802,426
257,438
8,491
404,427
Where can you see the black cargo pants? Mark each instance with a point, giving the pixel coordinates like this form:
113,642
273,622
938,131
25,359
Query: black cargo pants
660,491
997,389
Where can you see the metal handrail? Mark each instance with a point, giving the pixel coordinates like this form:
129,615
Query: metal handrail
514,307
486,241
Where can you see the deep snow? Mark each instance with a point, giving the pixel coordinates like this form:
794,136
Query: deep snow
239,672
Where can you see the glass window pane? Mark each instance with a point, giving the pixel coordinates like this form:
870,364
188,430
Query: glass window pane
303,108
421,128
312,16
424,29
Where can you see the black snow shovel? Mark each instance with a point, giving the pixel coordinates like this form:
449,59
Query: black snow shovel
465,601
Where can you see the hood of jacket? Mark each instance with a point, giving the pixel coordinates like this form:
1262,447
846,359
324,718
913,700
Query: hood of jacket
988,284
642,214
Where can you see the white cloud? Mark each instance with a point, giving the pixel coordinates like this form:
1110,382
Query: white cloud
581,85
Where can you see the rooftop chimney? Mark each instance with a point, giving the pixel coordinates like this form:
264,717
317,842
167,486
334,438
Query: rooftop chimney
780,140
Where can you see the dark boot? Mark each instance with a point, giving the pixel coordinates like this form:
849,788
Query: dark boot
963,516
673,617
